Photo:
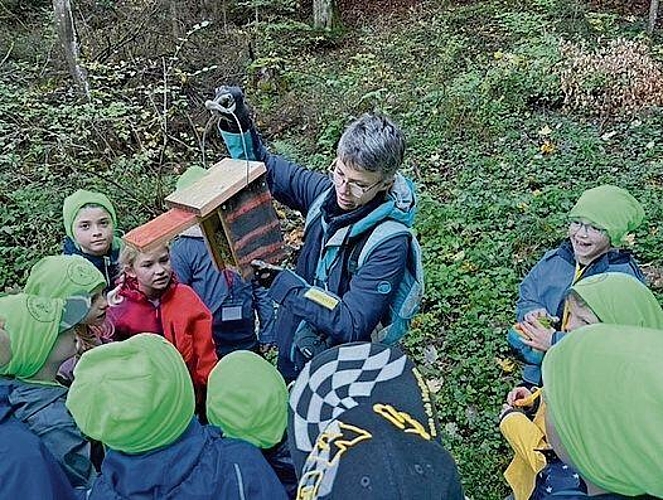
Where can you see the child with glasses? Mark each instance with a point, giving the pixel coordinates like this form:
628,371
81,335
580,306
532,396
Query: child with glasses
599,222
609,298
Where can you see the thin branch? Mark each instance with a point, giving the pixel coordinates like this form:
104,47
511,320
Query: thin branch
145,16
17,18
4,59
193,127
48,60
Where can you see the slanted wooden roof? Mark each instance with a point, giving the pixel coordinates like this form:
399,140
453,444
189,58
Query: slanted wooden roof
222,181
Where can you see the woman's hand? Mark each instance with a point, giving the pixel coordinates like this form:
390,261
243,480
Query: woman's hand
540,337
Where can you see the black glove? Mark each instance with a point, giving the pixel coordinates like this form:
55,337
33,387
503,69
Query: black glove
309,342
229,101
265,273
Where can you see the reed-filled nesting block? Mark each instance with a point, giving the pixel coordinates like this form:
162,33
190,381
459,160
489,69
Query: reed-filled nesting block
234,209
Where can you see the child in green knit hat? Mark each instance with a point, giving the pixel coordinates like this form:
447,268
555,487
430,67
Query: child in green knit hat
603,390
137,398
610,298
247,399
64,276
598,226
90,222
37,336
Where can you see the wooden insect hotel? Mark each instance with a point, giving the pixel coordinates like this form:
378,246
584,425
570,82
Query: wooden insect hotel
234,210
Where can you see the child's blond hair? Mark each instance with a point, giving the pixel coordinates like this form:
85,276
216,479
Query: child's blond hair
130,253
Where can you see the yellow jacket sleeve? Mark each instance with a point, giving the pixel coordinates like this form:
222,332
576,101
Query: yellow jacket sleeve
524,437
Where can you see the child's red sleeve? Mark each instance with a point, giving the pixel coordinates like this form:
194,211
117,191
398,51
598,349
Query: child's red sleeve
200,329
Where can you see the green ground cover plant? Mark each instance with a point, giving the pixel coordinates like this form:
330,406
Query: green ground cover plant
498,151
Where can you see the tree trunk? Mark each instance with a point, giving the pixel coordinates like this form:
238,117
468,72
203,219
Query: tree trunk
64,25
653,14
325,14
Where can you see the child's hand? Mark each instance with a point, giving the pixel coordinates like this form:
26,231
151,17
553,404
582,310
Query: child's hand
535,314
506,409
516,394
113,297
540,337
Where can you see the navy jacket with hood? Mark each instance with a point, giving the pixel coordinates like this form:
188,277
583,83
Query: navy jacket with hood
364,297
41,408
200,465
223,291
559,482
27,468
107,264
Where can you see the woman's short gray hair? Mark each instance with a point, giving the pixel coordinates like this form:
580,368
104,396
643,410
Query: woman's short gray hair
373,143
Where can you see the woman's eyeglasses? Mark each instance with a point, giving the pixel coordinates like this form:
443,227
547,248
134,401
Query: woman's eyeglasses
357,190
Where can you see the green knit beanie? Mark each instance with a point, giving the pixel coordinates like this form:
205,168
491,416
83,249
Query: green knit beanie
134,396
604,394
247,398
620,299
191,176
74,202
32,325
610,208
62,276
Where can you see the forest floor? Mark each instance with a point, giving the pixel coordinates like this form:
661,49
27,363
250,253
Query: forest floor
511,110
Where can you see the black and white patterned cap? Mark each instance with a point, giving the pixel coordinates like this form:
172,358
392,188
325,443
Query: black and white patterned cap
348,376
378,452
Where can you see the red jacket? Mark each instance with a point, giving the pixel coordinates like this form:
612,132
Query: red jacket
180,316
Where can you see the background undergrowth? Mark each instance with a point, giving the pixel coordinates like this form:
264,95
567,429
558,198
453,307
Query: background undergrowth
505,130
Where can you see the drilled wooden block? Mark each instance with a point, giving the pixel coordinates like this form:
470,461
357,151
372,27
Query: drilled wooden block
252,227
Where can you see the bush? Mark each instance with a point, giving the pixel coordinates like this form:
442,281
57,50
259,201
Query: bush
621,78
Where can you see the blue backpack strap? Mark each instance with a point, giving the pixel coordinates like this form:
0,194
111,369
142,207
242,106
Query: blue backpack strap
382,232
407,299
314,211
413,282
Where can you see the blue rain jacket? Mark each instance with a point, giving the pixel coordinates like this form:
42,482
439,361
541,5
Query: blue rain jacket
232,301
546,286
200,465
42,409
27,468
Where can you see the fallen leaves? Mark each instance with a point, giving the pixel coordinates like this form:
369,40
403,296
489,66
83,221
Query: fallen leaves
430,355
507,365
434,385
547,148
